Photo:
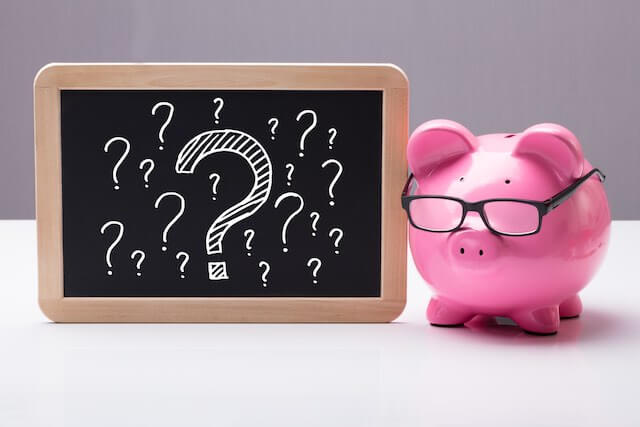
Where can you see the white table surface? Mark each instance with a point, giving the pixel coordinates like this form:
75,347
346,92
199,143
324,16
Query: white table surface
401,374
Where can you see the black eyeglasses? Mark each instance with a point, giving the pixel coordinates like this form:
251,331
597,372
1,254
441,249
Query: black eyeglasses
508,217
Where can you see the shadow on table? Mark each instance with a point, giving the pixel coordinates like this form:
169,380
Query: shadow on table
590,326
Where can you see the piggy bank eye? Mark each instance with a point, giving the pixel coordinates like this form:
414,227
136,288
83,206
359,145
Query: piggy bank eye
507,181
461,178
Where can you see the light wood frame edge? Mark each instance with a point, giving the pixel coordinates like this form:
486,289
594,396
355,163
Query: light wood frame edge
55,77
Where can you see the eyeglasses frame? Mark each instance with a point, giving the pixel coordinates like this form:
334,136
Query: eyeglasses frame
543,207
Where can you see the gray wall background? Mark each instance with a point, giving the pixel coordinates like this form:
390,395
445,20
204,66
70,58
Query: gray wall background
491,65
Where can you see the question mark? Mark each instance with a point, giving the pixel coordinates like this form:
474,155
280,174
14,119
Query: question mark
166,122
114,243
245,146
290,217
314,116
315,216
340,233
335,178
127,147
318,264
148,171
175,218
216,114
183,263
274,124
333,132
216,179
267,269
290,168
248,234
140,259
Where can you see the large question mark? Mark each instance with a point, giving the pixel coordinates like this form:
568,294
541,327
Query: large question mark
185,257
274,124
140,260
333,132
214,187
335,178
229,141
148,171
290,168
127,147
285,226
315,216
318,264
248,234
340,233
216,114
267,269
166,122
175,218
314,116
114,243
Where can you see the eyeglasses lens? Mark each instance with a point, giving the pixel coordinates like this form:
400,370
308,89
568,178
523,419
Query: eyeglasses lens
512,217
435,214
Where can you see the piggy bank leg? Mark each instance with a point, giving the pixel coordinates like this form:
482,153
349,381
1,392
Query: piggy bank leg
447,313
571,307
540,321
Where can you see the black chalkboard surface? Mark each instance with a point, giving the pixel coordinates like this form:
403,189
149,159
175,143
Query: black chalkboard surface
221,193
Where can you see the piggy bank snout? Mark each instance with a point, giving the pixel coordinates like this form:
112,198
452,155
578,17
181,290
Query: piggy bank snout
473,247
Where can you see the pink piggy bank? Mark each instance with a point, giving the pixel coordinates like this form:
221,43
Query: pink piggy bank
510,225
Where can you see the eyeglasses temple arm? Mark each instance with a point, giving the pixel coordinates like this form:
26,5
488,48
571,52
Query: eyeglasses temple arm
405,190
563,195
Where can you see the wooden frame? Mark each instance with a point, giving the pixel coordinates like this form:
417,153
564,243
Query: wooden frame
55,77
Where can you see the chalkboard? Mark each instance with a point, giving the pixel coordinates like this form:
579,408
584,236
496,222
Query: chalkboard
221,193
226,192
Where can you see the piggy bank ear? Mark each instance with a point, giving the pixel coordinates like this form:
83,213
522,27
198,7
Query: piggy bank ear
437,141
556,146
